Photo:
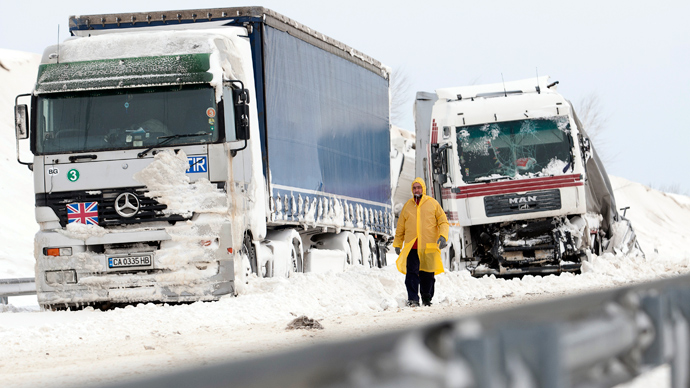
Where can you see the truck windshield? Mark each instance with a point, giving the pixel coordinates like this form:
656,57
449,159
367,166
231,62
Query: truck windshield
125,118
514,149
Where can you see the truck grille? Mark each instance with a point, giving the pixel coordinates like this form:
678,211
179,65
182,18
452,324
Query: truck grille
150,210
530,202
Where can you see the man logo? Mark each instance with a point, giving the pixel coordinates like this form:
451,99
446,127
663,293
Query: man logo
529,198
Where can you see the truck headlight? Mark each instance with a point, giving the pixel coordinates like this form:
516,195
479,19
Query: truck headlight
57,251
61,277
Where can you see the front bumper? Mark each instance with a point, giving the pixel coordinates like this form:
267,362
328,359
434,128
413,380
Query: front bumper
177,274
540,270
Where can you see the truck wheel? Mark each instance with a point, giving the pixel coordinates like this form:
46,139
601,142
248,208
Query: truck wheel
365,254
372,258
380,255
454,264
352,249
348,255
55,307
296,256
249,250
596,248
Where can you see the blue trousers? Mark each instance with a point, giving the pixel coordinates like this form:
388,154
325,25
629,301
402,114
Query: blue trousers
418,281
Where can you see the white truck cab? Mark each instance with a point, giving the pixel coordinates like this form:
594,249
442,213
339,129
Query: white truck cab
514,171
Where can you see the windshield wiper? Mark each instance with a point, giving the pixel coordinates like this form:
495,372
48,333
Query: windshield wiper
491,179
167,139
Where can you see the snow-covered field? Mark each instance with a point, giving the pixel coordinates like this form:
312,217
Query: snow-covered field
91,347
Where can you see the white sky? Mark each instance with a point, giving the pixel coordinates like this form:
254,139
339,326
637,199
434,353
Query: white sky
634,55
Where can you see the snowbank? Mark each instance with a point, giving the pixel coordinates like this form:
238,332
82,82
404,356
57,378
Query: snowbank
17,75
661,220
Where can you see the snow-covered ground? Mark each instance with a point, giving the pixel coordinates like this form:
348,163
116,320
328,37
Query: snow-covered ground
90,347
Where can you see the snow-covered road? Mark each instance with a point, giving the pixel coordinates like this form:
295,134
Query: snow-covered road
91,347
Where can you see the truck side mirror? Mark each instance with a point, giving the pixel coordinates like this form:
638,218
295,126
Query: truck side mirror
439,162
240,98
21,120
586,147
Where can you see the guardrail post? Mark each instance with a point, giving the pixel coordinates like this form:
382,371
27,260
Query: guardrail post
481,351
658,309
680,365
533,356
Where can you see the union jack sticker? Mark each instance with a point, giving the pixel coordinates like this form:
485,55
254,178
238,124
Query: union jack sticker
83,213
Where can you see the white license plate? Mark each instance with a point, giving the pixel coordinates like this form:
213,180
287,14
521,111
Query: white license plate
130,261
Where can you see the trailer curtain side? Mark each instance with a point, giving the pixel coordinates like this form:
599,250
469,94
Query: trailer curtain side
327,121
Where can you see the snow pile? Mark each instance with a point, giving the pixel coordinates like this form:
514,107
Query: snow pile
167,182
661,220
17,75
82,232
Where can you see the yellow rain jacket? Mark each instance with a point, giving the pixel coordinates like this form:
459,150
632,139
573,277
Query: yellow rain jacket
423,223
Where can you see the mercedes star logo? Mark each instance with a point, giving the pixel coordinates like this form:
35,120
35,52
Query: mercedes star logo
127,204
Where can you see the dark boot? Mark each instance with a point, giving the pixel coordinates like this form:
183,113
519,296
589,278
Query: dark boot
426,299
412,303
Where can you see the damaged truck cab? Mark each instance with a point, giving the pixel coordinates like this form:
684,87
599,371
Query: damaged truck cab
177,152
514,170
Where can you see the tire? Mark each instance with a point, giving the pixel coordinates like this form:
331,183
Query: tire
596,248
246,265
269,270
348,255
373,257
454,264
365,252
364,260
380,256
249,250
297,257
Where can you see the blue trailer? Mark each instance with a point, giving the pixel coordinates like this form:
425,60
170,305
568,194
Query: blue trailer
177,152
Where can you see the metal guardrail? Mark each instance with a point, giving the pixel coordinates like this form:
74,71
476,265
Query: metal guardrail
594,340
16,287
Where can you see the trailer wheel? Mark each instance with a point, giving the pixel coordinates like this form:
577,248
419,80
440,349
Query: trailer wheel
348,255
380,255
373,257
366,250
296,256
55,307
367,255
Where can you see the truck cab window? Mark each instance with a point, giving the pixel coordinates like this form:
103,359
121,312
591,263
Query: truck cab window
533,147
125,118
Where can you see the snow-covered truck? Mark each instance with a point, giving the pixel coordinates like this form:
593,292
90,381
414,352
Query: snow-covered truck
176,152
518,178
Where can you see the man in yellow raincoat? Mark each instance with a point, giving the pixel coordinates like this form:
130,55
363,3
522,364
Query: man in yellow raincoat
421,234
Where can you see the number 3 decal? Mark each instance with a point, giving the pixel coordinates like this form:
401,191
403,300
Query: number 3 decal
73,175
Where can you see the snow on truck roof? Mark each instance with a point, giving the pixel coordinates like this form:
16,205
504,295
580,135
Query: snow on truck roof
215,17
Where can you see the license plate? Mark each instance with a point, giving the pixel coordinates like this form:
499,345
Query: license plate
130,261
